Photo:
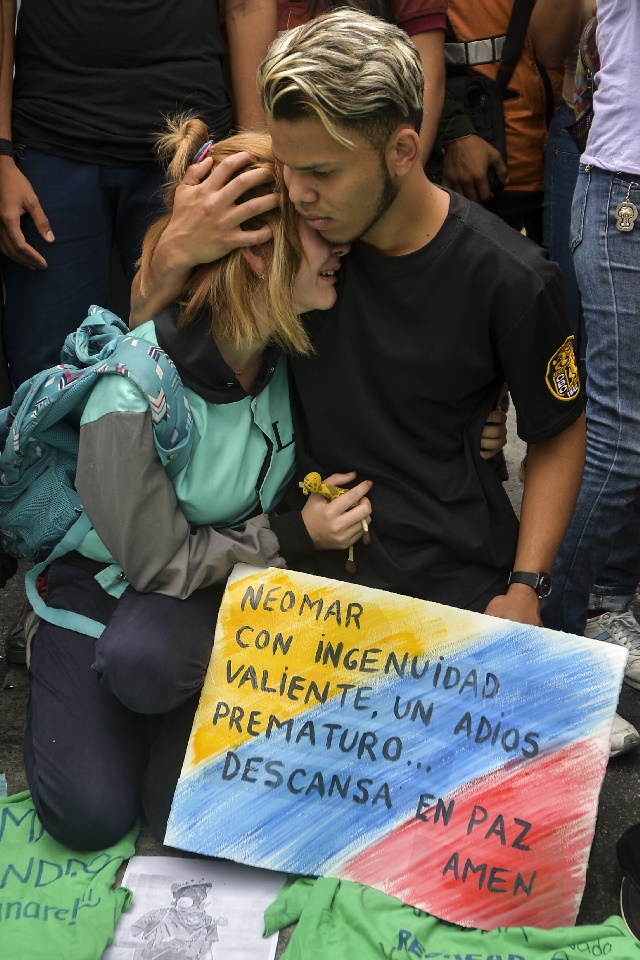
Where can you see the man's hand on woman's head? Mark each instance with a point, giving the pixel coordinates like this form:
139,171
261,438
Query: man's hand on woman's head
206,222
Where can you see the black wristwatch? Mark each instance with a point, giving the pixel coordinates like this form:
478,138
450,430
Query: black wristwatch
540,582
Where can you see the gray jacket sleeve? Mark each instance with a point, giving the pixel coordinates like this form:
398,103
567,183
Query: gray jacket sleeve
132,506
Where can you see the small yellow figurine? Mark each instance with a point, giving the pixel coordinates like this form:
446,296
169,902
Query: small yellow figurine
313,483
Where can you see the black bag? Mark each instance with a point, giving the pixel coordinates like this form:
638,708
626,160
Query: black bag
483,103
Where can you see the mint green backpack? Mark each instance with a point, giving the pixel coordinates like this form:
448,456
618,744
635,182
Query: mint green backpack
41,516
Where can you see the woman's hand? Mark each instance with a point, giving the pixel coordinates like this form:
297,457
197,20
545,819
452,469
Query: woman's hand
336,525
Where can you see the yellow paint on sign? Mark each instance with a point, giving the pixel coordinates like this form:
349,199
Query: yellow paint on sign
280,649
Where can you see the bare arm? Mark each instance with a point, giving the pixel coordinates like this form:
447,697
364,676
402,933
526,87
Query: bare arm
430,46
554,472
206,223
554,29
17,196
251,26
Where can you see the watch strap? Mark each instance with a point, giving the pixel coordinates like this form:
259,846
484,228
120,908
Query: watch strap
540,582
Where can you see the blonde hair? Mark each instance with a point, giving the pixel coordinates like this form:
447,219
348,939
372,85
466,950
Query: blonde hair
242,305
348,69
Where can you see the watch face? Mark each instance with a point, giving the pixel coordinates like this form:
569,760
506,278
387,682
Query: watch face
544,585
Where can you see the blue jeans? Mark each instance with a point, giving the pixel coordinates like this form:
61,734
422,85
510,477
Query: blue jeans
92,209
561,164
602,544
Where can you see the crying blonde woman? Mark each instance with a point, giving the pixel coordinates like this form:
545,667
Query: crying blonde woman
120,708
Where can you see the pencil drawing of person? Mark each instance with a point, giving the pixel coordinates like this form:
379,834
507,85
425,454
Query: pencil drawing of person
182,931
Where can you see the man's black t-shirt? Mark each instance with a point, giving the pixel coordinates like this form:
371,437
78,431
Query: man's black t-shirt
95,80
407,366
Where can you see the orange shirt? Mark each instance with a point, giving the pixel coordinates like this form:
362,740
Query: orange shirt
525,114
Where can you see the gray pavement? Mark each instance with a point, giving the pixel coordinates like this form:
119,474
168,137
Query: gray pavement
619,805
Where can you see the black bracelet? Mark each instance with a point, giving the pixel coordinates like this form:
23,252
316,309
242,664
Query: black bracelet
7,148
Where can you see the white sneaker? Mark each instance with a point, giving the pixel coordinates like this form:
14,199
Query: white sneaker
31,624
623,629
623,737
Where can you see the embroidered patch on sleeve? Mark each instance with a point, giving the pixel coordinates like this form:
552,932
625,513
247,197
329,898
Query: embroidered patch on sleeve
562,372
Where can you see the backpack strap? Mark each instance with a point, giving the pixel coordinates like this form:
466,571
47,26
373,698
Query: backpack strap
505,49
514,41
62,618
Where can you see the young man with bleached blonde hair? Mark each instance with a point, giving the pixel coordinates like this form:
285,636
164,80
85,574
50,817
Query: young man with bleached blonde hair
376,96
439,303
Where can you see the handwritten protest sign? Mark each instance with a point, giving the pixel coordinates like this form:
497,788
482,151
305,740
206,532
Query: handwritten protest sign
450,759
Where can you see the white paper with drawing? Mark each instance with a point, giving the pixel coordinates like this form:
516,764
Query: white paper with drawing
196,909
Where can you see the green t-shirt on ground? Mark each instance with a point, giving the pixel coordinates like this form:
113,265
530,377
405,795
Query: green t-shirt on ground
341,920
55,903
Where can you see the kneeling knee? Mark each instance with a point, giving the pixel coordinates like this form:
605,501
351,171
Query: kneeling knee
82,823
145,685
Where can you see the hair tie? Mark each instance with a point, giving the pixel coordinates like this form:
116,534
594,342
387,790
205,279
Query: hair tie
203,151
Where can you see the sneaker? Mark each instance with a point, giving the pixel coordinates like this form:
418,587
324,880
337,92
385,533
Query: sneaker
623,738
628,853
17,643
31,624
630,906
623,629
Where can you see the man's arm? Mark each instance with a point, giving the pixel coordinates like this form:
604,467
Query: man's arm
554,472
554,29
17,196
430,46
206,223
466,157
251,26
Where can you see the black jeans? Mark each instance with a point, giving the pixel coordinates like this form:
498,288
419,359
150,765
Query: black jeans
104,713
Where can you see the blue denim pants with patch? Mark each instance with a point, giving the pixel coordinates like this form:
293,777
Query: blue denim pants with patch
598,564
